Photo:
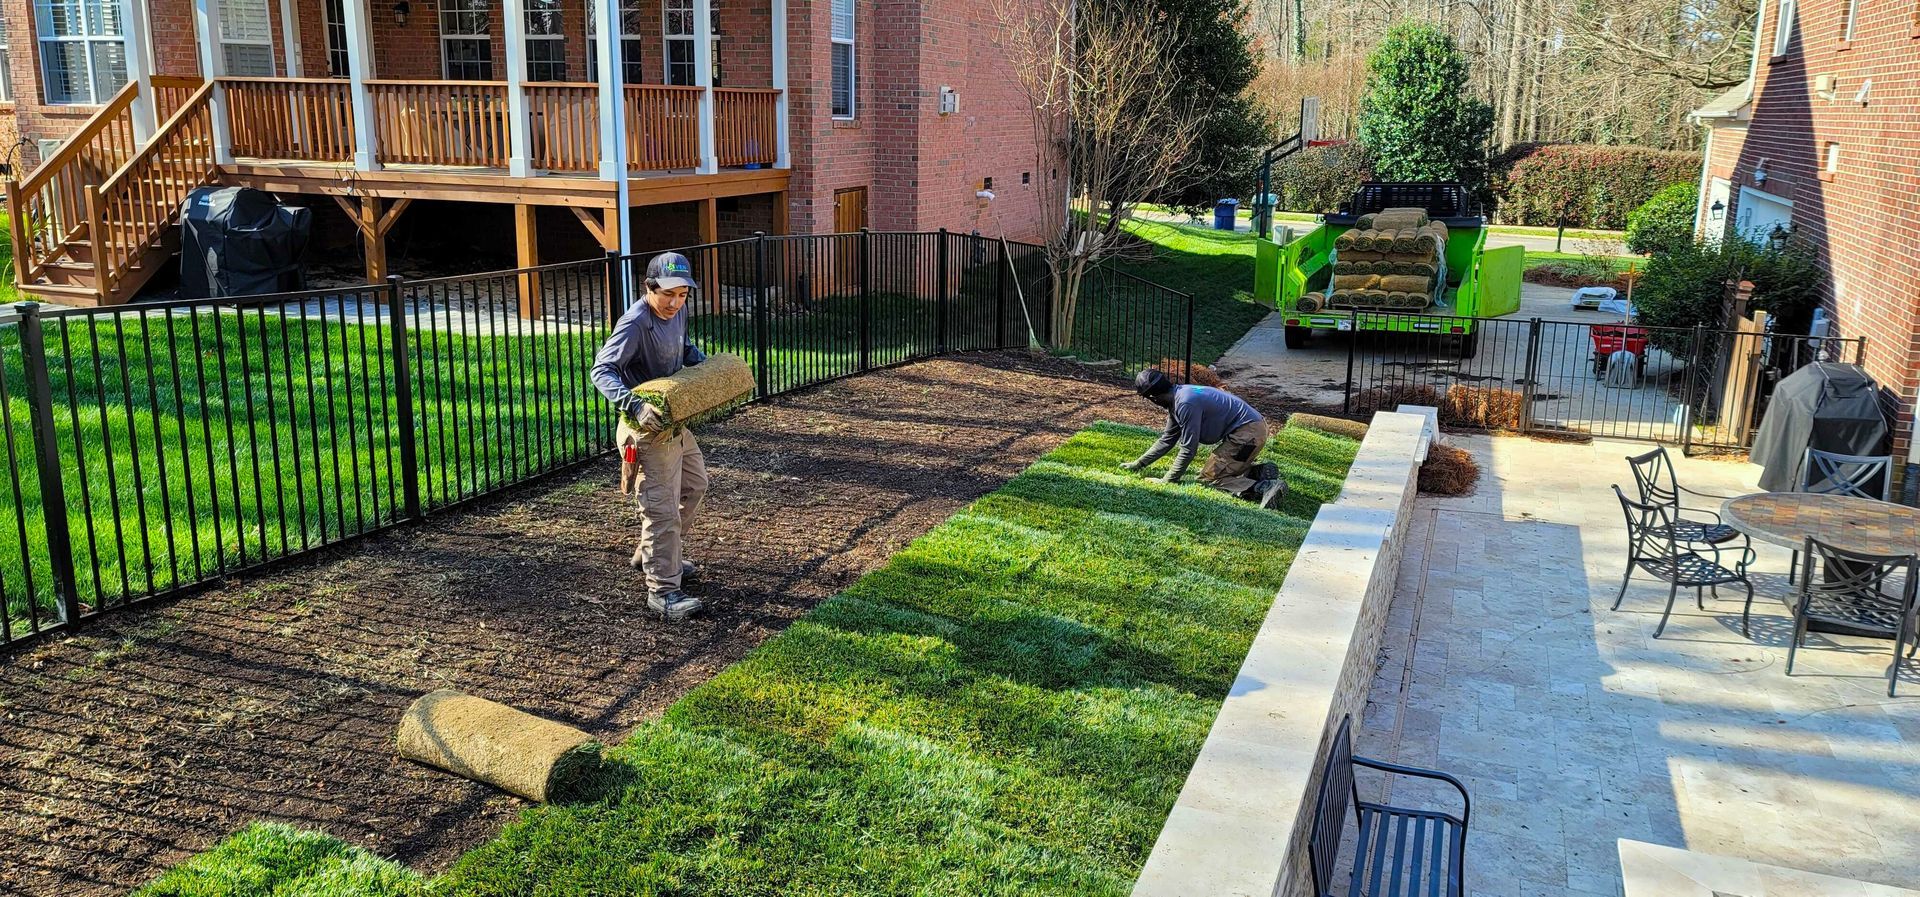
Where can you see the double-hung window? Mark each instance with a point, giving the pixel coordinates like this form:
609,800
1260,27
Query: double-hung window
246,38
677,17
844,80
6,67
546,42
466,39
83,58
633,39
334,19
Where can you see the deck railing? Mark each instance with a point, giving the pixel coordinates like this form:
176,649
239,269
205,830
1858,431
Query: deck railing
130,209
743,125
170,92
663,127
441,122
564,123
290,118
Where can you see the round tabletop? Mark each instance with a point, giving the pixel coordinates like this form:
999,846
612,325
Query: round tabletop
1855,524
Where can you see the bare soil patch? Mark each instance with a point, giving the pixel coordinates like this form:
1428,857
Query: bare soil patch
158,731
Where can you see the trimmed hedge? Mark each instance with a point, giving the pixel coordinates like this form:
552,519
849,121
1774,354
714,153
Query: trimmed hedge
1600,185
1320,178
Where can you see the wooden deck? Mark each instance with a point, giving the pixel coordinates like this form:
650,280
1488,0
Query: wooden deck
464,183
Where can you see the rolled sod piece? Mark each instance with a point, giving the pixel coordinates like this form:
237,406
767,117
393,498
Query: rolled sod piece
1432,238
1400,219
1361,255
1346,240
1406,283
700,392
1355,281
1405,241
516,752
1364,222
1311,302
1352,429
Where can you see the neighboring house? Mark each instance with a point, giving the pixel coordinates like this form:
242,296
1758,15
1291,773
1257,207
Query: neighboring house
800,116
1822,146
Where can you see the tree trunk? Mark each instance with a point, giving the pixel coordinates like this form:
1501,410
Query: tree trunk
1516,58
1299,31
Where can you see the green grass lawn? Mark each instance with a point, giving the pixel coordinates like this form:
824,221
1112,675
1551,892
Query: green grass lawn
1008,707
1215,266
1619,264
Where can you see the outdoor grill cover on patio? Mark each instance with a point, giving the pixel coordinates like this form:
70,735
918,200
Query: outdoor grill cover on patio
238,241
1826,406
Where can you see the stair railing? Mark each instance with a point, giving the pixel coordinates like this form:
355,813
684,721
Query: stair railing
142,199
49,208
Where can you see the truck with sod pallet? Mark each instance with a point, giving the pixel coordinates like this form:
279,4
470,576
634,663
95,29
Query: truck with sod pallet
1407,258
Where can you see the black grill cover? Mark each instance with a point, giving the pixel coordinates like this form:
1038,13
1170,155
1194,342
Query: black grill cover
1826,406
238,241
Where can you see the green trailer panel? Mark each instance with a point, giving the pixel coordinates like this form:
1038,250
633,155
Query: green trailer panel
1482,283
1500,275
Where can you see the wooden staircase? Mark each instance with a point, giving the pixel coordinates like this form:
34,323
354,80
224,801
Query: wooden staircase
97,220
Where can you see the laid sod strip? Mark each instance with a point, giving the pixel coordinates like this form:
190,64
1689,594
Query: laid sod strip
1008,707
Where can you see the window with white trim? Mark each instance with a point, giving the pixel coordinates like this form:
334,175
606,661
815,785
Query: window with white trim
1832,162
546,42
634,34
1852,18
844,80
246,38
6,67
466,40
334,22
676,29
83,58
1783,27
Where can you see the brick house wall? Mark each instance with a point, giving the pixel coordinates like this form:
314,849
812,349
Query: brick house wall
1863,218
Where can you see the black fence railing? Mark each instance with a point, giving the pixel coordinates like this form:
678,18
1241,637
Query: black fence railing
1693,387
155,447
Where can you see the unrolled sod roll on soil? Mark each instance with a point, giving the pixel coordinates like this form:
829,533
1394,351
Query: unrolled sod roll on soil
1351,429
514,751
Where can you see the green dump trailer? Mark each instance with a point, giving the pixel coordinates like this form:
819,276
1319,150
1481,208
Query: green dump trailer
1480,282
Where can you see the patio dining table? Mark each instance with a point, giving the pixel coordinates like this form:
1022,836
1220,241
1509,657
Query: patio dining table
1855,524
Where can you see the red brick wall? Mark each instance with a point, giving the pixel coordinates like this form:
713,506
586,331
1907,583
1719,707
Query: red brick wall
1865,219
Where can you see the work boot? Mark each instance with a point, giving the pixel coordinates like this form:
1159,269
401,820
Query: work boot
688,569
674,605
1266,470
1271,491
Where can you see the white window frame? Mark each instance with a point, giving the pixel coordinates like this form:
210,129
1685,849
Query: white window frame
265,41
1783,18
1830,163
668,37
633,43
849,40
333,26
94,34
457,9
554,40
6,64
1853,18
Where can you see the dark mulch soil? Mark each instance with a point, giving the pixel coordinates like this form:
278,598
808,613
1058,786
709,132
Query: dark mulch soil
160,730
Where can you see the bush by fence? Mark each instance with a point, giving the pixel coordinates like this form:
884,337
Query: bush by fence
156,446
1320,178
1593,186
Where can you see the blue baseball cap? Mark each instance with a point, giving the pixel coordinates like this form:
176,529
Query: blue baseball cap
669,270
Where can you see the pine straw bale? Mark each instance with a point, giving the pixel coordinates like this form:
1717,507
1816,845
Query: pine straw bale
1487,407
699,392
1448,471
1393,395
517,752
1176,369
1352,429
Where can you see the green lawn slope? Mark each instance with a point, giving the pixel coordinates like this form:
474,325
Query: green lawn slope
1008,707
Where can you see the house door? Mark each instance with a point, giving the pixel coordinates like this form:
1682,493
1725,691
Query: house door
849,210
1760,213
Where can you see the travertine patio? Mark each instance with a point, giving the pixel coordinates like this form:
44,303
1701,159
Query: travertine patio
1574,727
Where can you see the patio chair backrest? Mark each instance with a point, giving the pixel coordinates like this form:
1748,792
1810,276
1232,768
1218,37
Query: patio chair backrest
1649,527
1653,474
1330,811
1853,577
1861,476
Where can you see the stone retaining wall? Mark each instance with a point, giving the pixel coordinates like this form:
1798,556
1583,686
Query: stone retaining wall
1241,824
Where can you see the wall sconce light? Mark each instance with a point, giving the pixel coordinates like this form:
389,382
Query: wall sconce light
1759,177
400,12
1777,238
1717,211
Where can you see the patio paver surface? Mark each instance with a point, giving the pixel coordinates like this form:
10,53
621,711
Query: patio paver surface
1574,727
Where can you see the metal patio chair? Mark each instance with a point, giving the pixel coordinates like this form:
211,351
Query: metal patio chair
1654,475
1850,591
1399,850
1831,473
1653,547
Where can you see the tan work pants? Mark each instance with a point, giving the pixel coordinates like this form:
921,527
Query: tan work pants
1234,458
671,481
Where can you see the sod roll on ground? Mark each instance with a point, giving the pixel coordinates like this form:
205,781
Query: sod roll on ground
1007,708
514,751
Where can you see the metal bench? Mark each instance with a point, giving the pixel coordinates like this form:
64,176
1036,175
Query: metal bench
1399,852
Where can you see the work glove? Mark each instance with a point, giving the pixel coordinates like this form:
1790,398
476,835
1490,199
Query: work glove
645,417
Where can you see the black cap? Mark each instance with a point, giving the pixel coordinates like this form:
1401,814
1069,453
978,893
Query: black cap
669,270
1152,382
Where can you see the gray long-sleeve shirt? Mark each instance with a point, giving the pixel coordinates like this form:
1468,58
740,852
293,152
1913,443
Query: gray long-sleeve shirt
642,347
1201,415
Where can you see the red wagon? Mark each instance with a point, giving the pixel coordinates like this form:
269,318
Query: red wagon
1610,338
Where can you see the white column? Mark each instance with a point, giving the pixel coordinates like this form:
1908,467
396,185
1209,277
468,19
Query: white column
703,78
613,118
782,158
213,64
359,69
133,27
290,40
519,141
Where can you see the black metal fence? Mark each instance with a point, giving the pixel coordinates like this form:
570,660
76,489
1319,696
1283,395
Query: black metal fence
1693,387
156,447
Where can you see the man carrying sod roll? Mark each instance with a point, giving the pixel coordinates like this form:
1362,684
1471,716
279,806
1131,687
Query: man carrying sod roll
1204,415
650,341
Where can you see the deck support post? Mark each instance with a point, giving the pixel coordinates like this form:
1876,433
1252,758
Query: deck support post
359,68
703,78
374,238
519,140
782,155
206,21
526,243
613,118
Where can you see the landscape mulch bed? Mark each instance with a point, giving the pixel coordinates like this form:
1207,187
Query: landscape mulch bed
158,731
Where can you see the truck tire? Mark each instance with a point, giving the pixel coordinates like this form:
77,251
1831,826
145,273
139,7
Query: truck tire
1470,344
1297,337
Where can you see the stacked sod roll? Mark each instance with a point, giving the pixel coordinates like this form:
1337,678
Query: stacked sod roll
1394,260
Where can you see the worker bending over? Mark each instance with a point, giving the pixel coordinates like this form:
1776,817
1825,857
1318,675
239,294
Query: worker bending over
650,341
1203,415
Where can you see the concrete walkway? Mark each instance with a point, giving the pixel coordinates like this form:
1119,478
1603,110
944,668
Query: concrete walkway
1574,727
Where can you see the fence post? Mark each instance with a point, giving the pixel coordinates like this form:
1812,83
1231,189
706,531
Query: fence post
1000,298
1188,357
940,326
760,312
1532,375
46,455
866,298
1693,378
616,293
1353,343
403,399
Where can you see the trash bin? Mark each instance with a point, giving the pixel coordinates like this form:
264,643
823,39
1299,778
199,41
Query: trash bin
1223,213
